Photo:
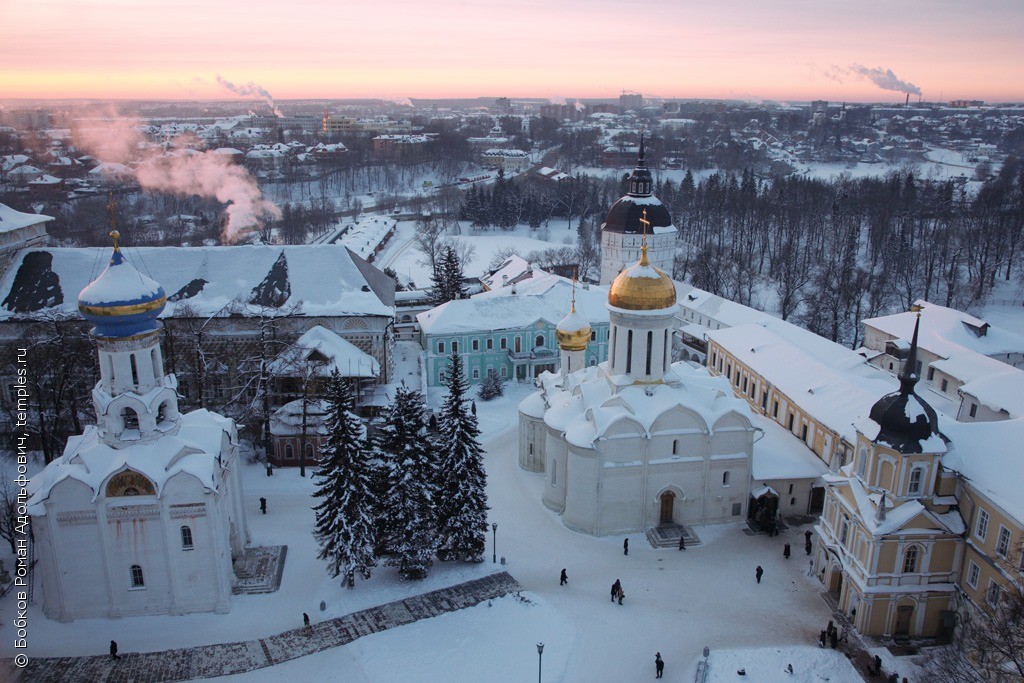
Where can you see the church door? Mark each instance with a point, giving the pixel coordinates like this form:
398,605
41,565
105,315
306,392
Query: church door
903,615
668,500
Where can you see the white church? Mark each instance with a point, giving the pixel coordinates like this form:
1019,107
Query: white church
142,514
637,442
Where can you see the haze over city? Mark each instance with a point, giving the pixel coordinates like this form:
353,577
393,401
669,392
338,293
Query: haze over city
792,49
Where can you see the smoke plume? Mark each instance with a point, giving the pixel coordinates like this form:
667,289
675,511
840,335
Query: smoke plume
250,89
203,174
883,78
212,175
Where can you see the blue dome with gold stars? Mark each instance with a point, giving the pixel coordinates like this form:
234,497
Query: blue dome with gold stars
122,302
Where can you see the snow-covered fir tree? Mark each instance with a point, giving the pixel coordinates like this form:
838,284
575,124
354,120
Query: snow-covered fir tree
406,515
345,515
492,387
462,482
447,277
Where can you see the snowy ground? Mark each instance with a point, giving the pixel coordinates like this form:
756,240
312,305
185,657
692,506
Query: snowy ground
676,601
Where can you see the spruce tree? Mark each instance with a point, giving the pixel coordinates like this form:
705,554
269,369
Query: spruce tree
491,387
462,482
345,516
406,514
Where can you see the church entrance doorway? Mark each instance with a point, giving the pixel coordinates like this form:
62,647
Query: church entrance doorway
668,501
903,615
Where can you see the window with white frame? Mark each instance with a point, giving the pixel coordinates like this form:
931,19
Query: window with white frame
186,538
844,530
1003,543
862,463
982,529
440,347
914,487
973,572
476,344
993,593
476,373
910,558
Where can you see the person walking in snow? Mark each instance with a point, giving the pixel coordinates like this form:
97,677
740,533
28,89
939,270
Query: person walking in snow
807,535
615,589
305,620
807,547
659,665
834,638
758,573
785,551
263,505
113,650
564,578
625,547
682,542
622,594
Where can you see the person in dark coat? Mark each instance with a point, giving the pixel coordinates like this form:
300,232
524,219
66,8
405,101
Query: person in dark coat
682,542
834,638
305,620
822,637
113,650
808,534
807,547
263,505
622,594
563,579
659,665
615,589
785,551
625,547
894,677
759,573
877,669
830,628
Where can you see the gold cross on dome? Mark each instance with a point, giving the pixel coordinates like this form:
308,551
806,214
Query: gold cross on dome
646,223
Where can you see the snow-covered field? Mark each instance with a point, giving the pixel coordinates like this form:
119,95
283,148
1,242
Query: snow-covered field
676,601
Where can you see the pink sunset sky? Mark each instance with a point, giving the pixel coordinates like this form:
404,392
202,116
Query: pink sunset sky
745,49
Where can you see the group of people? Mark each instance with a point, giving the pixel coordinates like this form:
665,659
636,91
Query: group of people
875,669
830,635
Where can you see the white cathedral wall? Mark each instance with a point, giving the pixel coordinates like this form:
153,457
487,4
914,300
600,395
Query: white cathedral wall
619,251
196,575
557,469
532,439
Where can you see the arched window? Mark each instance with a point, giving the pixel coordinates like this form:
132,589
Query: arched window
110,364
186,538
289,452
156,363
910,557
614,346
130,418
539,341
862,463
138,581
161,412
844,530
554,472
629,351
650,350
309,450
675,446
725,478
914,487
135,369
664,353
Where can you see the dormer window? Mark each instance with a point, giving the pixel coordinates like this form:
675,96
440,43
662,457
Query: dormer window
916,475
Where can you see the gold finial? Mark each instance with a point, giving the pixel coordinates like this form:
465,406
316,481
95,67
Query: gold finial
643,245
917,308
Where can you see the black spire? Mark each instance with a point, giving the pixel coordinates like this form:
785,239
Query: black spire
908,375
641,182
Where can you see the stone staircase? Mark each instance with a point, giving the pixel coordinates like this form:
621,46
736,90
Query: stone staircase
667,536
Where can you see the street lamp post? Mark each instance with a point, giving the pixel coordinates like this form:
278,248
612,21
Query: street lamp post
540,660
494,544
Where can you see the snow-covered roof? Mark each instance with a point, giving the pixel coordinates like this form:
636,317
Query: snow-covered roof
778,454
999,391
586,404
948,332
513,268
313,279
11,219
194,450
110,168
543,297
988,454
326,352
727,313
831,383
368,234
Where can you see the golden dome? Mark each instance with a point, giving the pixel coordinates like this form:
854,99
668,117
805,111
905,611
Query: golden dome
642,287
573,333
